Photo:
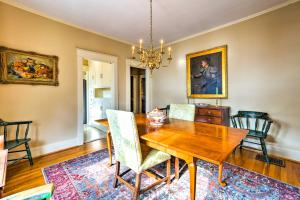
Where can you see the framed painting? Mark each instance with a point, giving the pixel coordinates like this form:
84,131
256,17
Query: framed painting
207,73
22,67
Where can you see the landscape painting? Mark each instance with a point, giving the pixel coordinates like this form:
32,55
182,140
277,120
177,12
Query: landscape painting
21,67
207,73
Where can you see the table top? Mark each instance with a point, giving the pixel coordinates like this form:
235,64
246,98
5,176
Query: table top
209,142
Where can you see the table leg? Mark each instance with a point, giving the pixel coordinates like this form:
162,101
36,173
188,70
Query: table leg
193,174
109,146
221,182
1,192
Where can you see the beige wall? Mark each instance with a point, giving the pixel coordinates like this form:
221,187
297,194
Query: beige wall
53,109
263,72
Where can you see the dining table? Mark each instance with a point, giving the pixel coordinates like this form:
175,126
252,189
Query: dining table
187,140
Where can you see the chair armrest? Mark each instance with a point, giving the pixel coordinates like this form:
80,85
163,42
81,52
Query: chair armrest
269,120
236,115
41,192
15,123
163,108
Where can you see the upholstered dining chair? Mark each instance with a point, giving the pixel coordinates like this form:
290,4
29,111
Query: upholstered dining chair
258,124
182,112
16,139
39,193
131,153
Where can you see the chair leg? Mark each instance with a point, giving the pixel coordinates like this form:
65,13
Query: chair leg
117,173
29,153
176,168
234,150
241,144
137,186
168,171
264,149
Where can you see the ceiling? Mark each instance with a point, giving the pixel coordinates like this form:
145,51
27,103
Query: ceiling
128,20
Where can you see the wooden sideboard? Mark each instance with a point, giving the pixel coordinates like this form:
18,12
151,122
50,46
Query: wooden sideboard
213,114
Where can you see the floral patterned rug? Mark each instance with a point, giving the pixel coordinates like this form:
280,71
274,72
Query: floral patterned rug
88,178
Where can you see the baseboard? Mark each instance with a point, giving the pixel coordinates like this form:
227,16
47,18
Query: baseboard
50,148
273,149
290,154
281,152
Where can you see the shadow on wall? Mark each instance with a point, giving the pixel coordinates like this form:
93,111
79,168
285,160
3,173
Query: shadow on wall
276,128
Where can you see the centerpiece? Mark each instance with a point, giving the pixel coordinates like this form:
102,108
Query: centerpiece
156,117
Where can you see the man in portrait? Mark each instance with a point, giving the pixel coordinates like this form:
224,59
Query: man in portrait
207,80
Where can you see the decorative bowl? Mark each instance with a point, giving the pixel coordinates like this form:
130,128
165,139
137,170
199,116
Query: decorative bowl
156,117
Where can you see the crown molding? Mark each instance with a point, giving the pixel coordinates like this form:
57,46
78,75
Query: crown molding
289,2
22,7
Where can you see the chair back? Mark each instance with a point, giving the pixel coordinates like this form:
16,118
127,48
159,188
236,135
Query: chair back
166,109
182,111
17,127
253,121
125,138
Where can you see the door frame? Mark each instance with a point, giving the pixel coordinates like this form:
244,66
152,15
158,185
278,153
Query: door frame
91,55
136,64
140,89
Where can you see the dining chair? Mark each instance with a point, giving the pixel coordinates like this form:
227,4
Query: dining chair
38,193
18,139
131,153
166,109
258,124
182,112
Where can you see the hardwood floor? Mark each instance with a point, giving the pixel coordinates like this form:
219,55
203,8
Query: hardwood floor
22,176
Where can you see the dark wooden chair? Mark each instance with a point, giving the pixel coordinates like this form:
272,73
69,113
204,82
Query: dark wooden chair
18,140
258,124
166,109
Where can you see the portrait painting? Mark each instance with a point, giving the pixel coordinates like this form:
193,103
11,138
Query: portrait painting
207,73
21,67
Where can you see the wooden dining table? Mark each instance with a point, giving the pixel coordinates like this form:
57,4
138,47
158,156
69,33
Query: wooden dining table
188,141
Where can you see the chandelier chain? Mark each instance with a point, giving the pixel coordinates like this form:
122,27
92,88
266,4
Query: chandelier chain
149,57
151,34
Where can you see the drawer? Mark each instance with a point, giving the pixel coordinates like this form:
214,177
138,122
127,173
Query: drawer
208,119
209,112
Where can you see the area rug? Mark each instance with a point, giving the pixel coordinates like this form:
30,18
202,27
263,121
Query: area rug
89,178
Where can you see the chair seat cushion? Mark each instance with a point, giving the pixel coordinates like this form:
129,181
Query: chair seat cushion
14,143
152,157
258,134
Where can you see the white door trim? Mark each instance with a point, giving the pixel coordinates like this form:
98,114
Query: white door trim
81,53
134,63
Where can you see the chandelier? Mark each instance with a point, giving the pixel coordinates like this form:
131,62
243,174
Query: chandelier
151,58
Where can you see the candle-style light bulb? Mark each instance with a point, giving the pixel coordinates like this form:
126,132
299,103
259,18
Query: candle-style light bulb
169,50
161,46
132,52
141,44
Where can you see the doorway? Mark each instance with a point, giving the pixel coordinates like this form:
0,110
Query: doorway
97,97
137,90
143,83
97,91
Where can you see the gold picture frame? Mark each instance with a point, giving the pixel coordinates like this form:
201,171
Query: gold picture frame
25,67
207,73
